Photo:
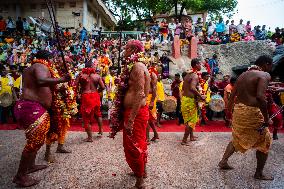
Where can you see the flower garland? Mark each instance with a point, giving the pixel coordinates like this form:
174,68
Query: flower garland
116,117
254,67
63,100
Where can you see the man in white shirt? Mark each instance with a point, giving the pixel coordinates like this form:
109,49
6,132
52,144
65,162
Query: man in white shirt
241,28
172,27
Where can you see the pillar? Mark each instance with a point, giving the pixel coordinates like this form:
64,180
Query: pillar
192,50
18,11
85,13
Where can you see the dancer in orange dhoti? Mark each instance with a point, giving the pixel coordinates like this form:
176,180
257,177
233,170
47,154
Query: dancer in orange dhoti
130,112
250,117
63,107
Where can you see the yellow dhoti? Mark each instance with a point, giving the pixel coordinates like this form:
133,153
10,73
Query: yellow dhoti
153,112
189,111
246,121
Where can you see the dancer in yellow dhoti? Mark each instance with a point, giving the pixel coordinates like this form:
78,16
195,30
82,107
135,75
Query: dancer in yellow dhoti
250,117
189,111
189,101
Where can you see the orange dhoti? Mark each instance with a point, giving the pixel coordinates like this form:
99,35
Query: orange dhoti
90,107
61,125
246,121
135,146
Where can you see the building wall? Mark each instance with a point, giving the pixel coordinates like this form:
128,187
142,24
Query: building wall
63,12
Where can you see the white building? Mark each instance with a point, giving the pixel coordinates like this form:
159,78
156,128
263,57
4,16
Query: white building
69,13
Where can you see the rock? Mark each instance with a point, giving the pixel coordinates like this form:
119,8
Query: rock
229,55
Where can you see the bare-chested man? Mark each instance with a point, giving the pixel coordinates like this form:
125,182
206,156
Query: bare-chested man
133,109
32,114
90,83
189,101
250,114
151,102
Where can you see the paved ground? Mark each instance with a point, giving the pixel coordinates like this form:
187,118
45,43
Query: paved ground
101,164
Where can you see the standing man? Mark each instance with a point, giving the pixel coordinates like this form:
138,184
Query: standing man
250,114
241,28
131,112
227,93
32,114
64,106
189,101
110,89
160,99
90,82
151,102
176,93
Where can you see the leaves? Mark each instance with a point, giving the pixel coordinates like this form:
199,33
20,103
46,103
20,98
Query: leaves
129,10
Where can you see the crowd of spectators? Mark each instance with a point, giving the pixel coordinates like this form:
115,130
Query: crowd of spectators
212,32
21,40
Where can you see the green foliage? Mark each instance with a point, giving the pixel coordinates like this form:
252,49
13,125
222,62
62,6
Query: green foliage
146,8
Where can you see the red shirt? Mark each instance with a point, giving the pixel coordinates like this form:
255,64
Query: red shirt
2,25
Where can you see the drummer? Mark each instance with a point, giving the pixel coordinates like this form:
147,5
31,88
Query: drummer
227,92
6,83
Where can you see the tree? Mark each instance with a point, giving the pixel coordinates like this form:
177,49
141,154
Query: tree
141,9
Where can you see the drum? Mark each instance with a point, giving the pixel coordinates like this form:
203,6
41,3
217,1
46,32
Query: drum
6,99
217,103
170,104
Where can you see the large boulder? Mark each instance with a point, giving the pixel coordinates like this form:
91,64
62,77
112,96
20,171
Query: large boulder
236,54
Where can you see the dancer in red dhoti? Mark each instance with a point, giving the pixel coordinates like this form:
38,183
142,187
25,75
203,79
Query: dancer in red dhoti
32,115
91,83
130,111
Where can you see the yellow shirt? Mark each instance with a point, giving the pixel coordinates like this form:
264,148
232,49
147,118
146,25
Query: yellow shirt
282,97
160,91
5,87
109,81
18,82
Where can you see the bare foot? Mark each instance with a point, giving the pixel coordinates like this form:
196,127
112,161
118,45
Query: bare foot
49,158
63,151
225,166
262,177
25,181
133,175
88,140
36,168
185,143
193,138
154,139
100,135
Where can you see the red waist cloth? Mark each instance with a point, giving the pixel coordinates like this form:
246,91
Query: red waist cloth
90,106
135,146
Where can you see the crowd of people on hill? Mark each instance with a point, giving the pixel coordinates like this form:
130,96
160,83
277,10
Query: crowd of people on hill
211,32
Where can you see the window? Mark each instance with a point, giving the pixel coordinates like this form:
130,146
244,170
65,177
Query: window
61,5
33,6
72,4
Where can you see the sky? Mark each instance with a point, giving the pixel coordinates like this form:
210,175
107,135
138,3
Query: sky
261,12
